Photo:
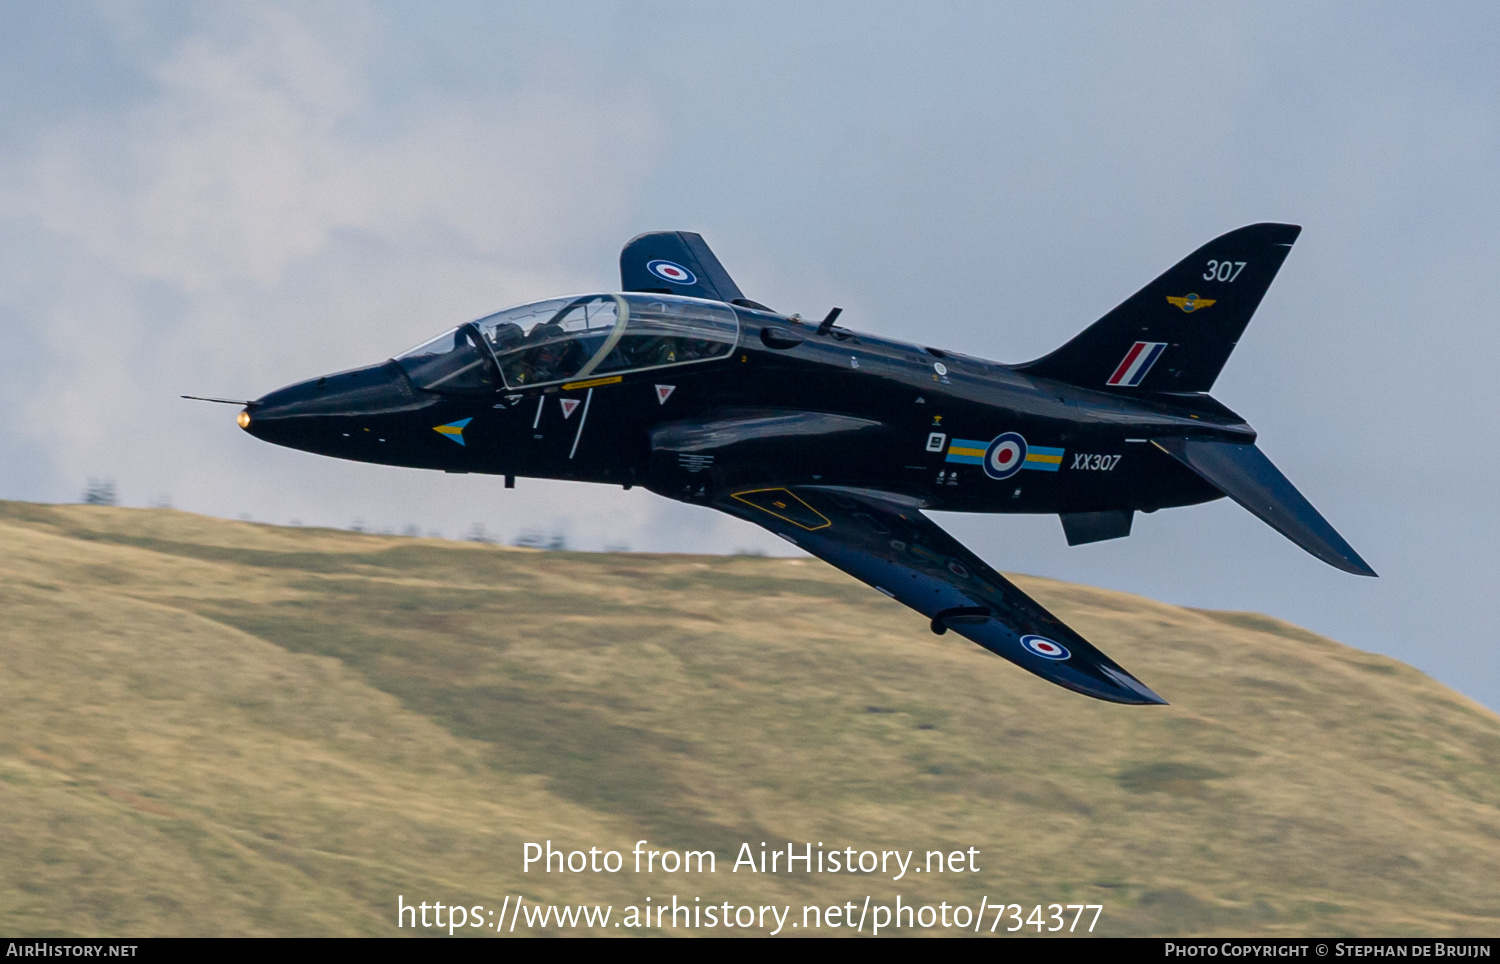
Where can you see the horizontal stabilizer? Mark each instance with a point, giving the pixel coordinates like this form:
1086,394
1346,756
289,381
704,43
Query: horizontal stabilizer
1243,473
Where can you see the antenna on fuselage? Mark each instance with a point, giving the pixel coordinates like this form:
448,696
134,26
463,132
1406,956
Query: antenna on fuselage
827,324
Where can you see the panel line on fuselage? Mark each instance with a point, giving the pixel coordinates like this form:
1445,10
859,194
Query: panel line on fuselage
581,420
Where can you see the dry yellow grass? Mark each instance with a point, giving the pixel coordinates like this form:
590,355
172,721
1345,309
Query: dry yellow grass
211,727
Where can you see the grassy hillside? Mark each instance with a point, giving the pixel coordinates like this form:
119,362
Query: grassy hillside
212,727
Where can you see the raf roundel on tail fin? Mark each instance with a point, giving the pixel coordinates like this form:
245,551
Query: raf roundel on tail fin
676,263
1175,334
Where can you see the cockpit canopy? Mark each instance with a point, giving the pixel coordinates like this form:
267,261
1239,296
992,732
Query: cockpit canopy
569,339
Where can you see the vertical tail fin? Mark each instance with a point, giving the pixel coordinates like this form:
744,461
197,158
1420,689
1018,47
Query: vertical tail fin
1175,334
678,263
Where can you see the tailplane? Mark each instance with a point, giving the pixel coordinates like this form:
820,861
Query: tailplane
1175,334
1243,473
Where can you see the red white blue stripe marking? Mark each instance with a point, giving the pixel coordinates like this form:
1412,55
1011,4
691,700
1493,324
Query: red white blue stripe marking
1136,363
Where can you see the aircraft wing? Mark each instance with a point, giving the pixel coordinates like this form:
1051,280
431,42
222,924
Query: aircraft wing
877,539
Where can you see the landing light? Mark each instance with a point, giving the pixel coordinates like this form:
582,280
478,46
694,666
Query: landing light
243,418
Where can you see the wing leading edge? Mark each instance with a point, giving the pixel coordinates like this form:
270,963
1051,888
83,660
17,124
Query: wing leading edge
907,556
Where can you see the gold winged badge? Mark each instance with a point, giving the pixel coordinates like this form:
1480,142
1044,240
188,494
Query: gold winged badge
1190,303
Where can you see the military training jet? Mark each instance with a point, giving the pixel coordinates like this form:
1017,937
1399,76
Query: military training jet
837,440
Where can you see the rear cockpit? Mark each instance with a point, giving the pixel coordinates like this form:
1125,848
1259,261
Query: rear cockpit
569,339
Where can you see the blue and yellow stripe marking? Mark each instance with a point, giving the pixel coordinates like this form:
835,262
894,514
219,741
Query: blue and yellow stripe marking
971,452
454,430
1043,459
967,451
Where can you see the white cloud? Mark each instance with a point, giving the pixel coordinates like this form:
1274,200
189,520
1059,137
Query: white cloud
263,141
261,217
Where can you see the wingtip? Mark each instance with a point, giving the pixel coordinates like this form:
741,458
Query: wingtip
1149,697
1144,695
1139,693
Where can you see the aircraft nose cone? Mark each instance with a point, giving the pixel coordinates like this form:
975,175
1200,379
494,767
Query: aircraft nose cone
309,415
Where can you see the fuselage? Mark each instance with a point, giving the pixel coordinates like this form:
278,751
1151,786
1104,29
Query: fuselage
788,405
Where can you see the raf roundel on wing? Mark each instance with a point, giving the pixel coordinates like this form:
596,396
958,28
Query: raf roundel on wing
1044,647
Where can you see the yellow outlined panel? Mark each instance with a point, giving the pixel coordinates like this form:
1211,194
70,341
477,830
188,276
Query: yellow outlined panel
786,506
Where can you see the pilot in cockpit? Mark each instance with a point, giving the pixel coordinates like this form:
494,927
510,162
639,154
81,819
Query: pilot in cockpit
506,336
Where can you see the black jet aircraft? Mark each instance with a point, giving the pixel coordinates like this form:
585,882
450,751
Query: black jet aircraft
838,440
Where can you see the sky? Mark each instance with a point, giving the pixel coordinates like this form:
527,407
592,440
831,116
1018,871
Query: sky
220,199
